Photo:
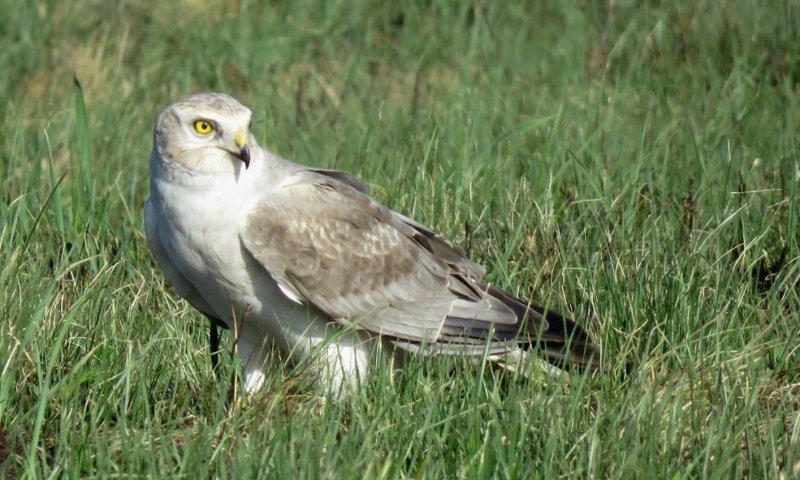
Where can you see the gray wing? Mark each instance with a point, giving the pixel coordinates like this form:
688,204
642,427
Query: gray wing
323,239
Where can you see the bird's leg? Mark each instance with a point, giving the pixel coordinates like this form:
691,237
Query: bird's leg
213,343
214,350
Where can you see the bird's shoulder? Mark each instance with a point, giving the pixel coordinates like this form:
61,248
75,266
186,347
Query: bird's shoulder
334,208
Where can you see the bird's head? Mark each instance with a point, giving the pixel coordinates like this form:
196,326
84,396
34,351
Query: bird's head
206,132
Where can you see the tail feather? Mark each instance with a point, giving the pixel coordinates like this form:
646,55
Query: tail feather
560,340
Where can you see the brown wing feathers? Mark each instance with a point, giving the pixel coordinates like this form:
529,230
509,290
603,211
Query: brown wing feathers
353,258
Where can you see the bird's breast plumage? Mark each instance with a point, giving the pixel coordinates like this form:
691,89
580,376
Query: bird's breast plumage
199,228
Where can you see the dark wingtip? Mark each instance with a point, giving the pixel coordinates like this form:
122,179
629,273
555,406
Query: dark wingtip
563,343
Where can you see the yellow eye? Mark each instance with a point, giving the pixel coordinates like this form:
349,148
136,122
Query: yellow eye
203,126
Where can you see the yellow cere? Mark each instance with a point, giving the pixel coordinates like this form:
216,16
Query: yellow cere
241,138
203,126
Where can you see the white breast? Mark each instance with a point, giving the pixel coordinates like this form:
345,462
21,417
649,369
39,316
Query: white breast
198,227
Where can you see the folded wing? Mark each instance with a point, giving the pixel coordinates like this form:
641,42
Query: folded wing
325,241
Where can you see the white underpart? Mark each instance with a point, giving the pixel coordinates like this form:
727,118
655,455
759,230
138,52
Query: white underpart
341,361
253,381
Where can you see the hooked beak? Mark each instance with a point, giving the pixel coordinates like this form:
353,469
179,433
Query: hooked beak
244,149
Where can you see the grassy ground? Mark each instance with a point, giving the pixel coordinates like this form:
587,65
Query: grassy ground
634,165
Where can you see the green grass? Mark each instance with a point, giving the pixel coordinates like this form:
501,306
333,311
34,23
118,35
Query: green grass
636,166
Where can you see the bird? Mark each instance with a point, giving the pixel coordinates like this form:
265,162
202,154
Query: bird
303,262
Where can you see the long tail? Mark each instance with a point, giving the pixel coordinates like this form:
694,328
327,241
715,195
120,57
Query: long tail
561,341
